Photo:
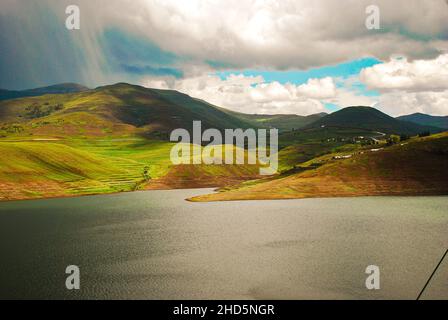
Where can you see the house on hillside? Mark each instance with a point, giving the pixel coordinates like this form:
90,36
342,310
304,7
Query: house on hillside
342,157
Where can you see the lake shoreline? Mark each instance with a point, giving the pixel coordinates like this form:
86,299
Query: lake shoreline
211,197
102,194
205,198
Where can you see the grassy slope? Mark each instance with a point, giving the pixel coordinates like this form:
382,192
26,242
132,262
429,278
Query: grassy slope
82,115
38,169
207,175
418,167
293,155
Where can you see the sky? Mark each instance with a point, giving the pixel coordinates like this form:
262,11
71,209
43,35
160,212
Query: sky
253,56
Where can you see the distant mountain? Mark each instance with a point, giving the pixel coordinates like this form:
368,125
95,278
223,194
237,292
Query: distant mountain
283,122
370,119
426,120
56,89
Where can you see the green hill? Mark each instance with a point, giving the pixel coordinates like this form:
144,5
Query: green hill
370,119
426,120
116,110
417,167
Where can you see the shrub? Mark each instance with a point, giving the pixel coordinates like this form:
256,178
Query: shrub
424,134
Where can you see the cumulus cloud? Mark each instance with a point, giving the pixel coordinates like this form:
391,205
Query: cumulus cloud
288,33
318,88
403,103
250,94
410,86
253,95
415,76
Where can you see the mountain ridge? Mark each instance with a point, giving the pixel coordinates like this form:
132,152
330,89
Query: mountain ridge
361,117
123,109
426,119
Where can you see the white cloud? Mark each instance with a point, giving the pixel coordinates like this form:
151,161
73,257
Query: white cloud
252,95
415,76
249,94
293,33
410,86
403,103
318,88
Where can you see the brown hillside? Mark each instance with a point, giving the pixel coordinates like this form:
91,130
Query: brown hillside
419,167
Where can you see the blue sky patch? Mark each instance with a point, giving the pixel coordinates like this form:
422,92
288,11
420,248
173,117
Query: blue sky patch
343,70
331,107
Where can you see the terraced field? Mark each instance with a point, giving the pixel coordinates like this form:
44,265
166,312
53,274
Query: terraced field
77,167
59,168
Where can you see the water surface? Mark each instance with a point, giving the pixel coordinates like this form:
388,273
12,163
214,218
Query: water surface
155,245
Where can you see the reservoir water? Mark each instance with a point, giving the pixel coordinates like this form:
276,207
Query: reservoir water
156,245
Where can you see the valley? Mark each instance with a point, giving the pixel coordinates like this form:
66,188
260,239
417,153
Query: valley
69,140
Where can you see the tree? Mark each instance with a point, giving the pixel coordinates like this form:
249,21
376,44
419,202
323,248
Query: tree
393,139
146,173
